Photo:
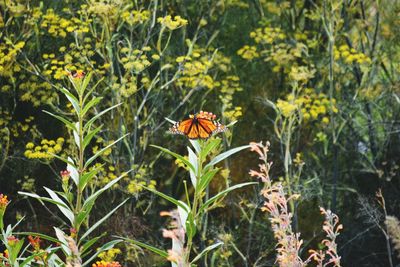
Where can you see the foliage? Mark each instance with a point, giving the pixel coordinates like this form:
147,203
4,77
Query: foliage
319,79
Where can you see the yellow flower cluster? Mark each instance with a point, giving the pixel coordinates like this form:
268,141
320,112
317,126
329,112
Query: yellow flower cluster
268,35
310,105
135,186
195,70
287,108
172,23
58,26
109,255
350,56
316,106
136,60
139,180
106,264
27,183
35,91
248,52
135,17
8,127
228,87
285,55
45,149
79,57
106,174
8,57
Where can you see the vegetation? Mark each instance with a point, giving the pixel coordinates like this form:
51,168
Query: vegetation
92,172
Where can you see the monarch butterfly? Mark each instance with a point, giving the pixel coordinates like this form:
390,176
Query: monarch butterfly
199,126
77,74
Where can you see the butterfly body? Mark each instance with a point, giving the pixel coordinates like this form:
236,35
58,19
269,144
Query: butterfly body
199,126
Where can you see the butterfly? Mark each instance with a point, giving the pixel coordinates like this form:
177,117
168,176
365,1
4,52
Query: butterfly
199,126
77,74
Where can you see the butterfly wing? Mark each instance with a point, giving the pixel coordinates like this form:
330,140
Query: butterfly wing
182,127
205,128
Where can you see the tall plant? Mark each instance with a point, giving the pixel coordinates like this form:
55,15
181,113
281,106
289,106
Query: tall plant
190,215
76,200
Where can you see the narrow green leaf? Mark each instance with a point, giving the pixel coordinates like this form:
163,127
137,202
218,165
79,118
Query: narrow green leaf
211,145
90,104
72,99
185,161
223,193
94,118
89,93
160,252
194,161
41,199
90,243
66,122
89,202
85,82
42,236
224,155
73,171
87,176
206,178
95,156
66,211
31,258
89,136
61,239
106,246
63,159
76,136
97,224
166,197
196,145
207,249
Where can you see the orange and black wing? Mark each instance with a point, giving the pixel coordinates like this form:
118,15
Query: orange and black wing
182,127
205,127
197,128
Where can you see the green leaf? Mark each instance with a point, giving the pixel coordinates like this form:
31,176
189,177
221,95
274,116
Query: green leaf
160,252
42,236
85,82
190,226
66,122
87,176
90,136
95,156
76,136
194,161
89,93
61,239
223,193
166,197
207,249
224,155
41,199
106,246
93,119
196,145
206,178
74,174
72,99
63,208
90,243
63,159
211,145
185,161
31,258
89,202
90,104
97,224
